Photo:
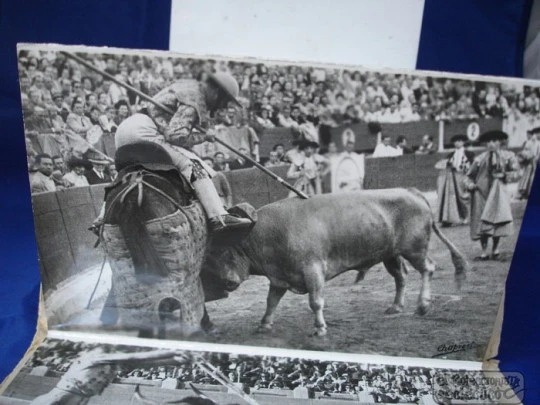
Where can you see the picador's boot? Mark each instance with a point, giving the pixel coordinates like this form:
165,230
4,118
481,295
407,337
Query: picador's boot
219,218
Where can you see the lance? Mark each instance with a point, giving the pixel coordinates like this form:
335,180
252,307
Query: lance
169,111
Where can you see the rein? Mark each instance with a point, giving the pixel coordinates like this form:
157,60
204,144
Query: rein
136,180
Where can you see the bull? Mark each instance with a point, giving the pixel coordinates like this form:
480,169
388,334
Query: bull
300,244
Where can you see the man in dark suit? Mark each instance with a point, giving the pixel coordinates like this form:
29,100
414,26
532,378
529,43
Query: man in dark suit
97,175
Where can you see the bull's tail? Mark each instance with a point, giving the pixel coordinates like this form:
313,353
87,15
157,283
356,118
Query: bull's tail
460,263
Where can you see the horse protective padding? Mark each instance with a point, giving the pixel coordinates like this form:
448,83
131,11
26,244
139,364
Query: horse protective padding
134,300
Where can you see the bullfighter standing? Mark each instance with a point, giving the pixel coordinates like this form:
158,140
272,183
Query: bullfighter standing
453,195
491,213
193,102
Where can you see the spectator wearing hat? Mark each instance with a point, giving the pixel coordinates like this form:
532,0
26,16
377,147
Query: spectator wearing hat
528,158
308,169
97,174
75,177
452,192
60,106
491,213
40,177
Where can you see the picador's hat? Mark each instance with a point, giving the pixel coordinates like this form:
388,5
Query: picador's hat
495,135
227,83
462,138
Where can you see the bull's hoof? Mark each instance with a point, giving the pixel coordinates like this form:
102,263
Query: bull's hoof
264,328
394,309
422,310
319,332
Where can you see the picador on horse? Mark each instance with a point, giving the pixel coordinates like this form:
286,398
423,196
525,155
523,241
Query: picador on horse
193,102
152,213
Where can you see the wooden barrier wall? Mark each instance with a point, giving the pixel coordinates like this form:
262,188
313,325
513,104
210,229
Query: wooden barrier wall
65,245
62,218
364,141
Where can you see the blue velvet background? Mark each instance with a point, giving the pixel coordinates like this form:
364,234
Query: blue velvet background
487,37
469,36
127,24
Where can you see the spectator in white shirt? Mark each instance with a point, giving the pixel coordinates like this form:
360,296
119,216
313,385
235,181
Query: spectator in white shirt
391,115
75,177
286,120
264,117
385,149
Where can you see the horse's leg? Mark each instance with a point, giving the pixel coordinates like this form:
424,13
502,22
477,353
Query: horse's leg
206,324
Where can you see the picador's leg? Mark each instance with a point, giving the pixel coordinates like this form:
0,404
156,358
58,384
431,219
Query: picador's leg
274,296
211,201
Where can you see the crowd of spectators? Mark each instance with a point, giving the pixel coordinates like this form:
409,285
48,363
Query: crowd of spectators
68,108
276,95
386,384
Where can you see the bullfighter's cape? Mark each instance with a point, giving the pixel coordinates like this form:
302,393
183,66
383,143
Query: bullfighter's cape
491,212
452,189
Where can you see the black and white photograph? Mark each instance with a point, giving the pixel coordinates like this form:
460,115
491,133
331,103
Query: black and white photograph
275,204
82,372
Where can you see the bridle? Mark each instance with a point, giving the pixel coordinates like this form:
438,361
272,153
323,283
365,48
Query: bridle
135,180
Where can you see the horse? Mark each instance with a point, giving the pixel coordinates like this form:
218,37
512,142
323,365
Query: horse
155,234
